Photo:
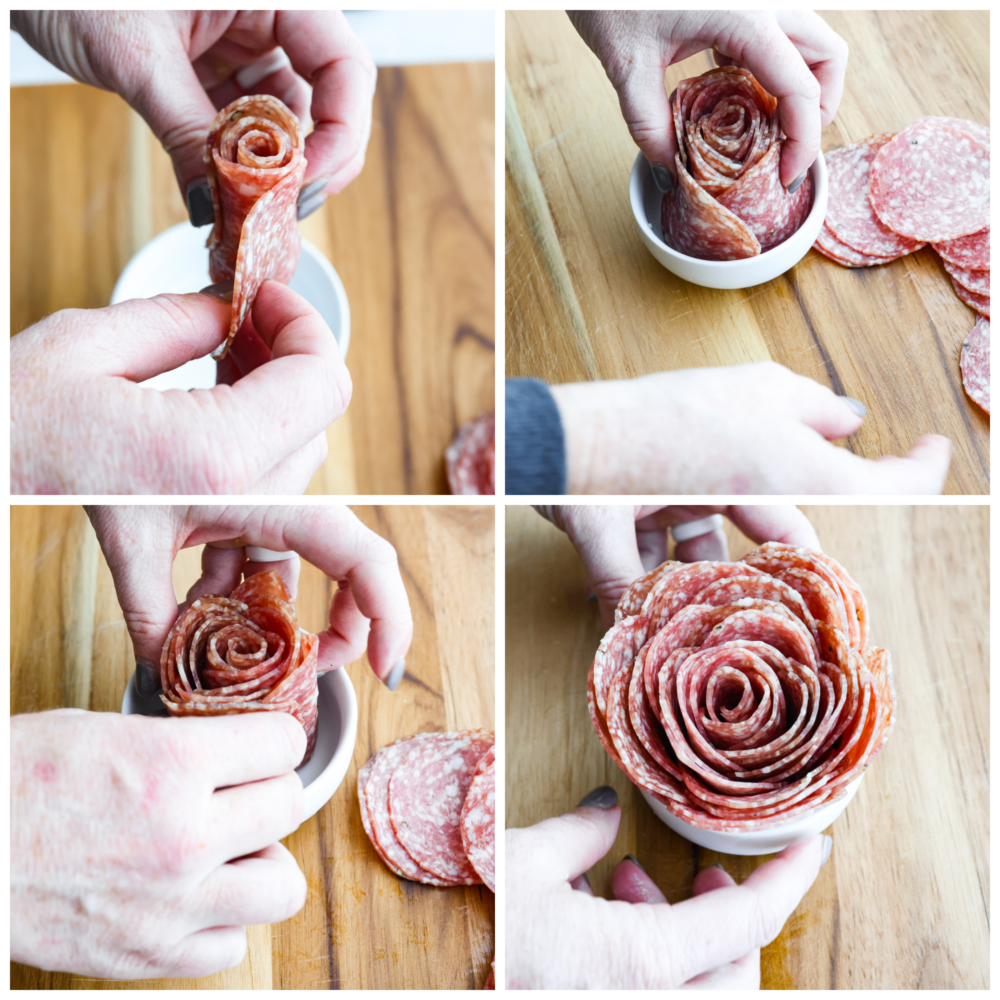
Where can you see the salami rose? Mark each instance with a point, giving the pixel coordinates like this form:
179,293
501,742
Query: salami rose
242,653
255,164
745,694
729,202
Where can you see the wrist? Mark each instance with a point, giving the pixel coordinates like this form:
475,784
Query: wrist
588,420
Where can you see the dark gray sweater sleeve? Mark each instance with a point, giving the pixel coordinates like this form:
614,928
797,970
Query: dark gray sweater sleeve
536,450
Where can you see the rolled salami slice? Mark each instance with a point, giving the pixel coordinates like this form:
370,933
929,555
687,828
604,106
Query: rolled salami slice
242,653
967,251
254,162
478,822
975,363
471,458
744,699
729,202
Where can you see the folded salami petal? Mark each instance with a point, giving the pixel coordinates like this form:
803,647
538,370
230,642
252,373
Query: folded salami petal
729,202
242,653
255,163
976,363
744,694
471,458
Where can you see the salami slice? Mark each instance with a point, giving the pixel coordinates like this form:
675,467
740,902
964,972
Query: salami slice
981,303
967,251
242,653
478,821
255,164
976,363
471,458
828,245
491,979
729,203
974,281
426,794
849,213
932,181
753,697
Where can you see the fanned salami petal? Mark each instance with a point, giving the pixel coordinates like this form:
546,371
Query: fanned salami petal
828,245
976,363
478,822
242,653
471,458
981,303
729,203
974,281
755,701
971,251
254,163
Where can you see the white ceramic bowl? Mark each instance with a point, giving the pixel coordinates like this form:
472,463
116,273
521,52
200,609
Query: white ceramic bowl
336,735
177,261
646,199
767,841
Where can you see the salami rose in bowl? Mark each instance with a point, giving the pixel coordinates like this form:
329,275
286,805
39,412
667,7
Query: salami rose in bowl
743,695
729,203
242,653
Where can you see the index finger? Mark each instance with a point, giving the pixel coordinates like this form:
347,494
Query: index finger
774,523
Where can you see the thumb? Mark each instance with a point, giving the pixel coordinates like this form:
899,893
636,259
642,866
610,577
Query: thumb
645,106
923,470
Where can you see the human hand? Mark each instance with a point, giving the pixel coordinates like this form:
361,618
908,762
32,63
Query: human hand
558,938
619,544
370,609
81,424
178,68
794,55
755,428
142,847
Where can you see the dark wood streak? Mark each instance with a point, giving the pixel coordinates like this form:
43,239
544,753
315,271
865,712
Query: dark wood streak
333,971
467,332
834,943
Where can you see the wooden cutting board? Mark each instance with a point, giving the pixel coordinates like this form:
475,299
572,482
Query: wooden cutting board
903,902
412,240
361,927
586,300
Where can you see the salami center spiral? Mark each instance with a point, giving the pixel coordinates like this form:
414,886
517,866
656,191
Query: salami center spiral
743,695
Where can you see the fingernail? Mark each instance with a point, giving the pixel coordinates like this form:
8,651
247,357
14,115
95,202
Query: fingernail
797,183
314,187
396,675
221,290
663,178
717,865
199,201
310,206
635,861
587,880
604,797
591,597
147,678
827,848
856,405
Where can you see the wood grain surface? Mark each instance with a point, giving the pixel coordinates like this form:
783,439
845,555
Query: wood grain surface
412,240
361,927
585,299
903,902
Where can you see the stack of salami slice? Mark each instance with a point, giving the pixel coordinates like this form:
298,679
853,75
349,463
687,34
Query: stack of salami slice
427,805
893,194
744,694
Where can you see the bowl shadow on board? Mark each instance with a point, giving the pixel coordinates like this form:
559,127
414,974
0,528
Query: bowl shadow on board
646,199
336,734
177,261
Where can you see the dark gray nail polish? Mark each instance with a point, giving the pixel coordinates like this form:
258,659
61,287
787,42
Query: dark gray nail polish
313,187
199,202
604,797
856,405
796,184
591,597
396,675
635,861
663,178
827,848
221,290
147,678
587,880
310,206
717,865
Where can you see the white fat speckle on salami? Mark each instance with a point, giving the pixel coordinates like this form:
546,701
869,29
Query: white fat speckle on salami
426,794
975,363
981,303
471,458
971,251
974,281
478,821
931,182
828,245
255,164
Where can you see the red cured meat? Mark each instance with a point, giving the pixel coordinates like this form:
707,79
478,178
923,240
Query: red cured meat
729,203
828,245
981,303
849,213
755,700
974,281
255,163
490,981
932,181
471,458
426,794
976,363
967,251
478,821
242,653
